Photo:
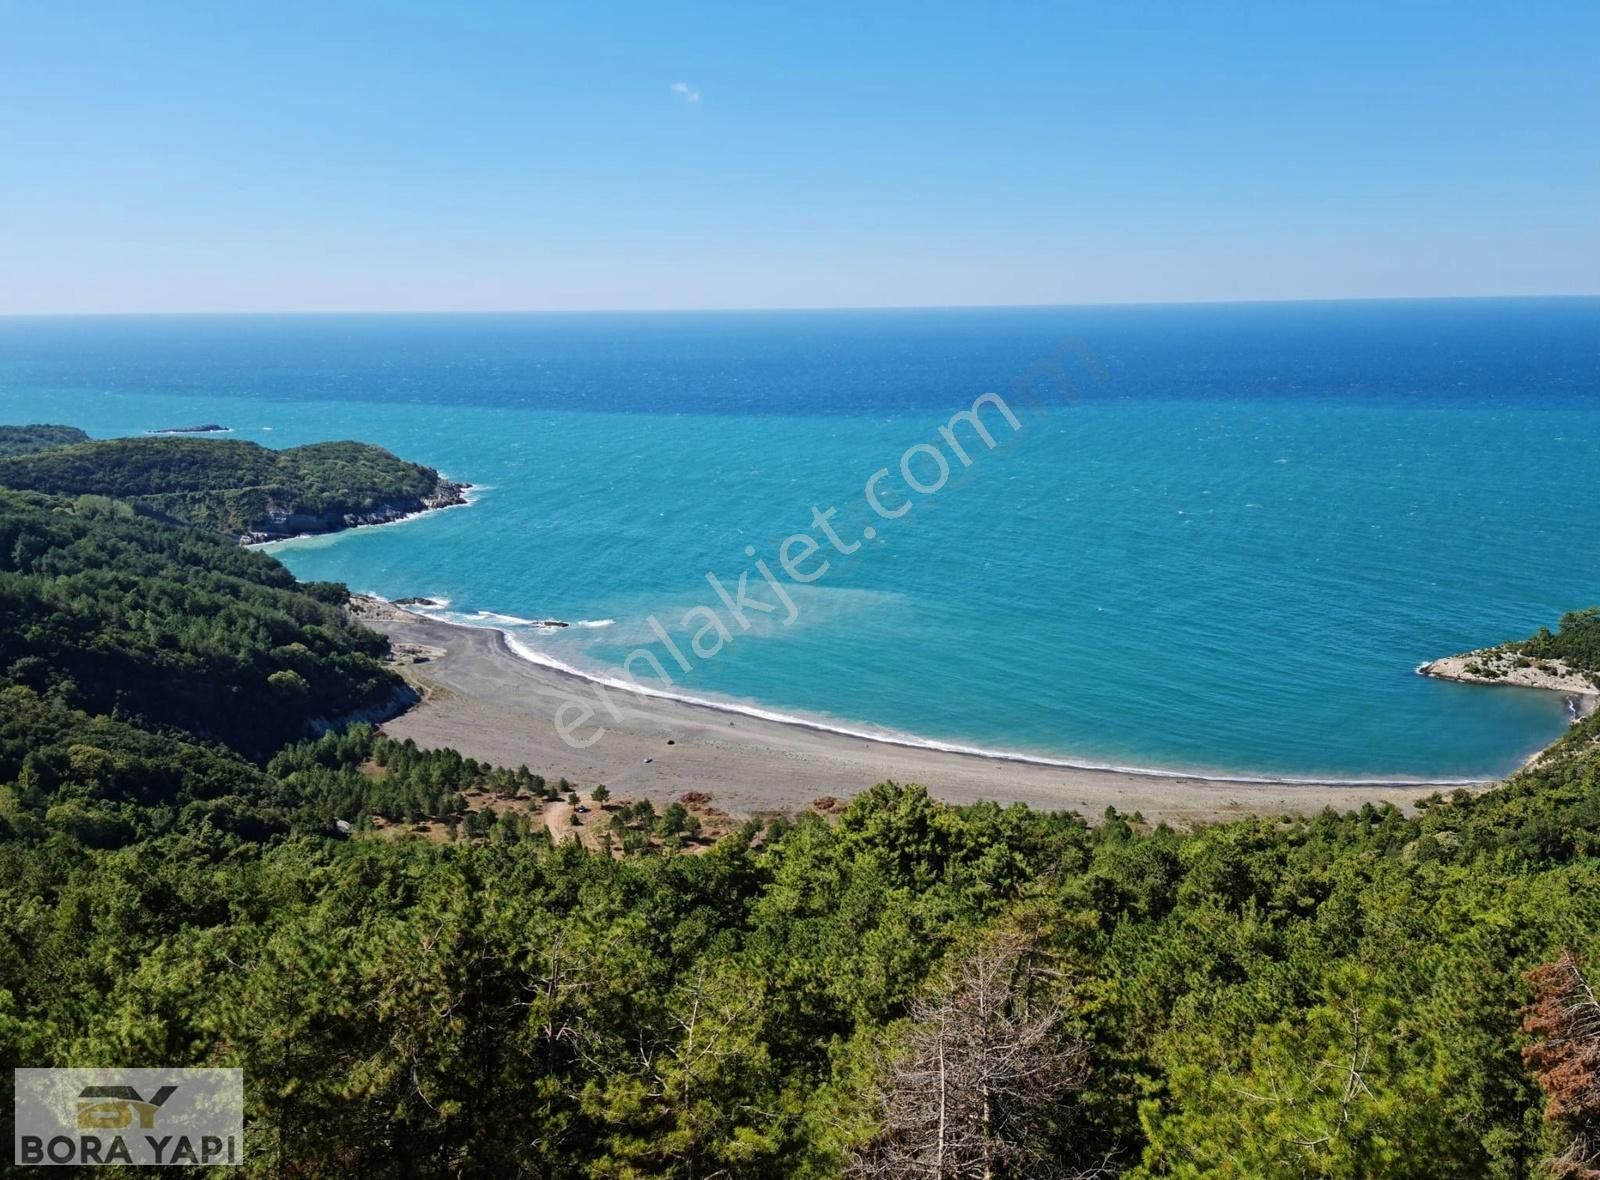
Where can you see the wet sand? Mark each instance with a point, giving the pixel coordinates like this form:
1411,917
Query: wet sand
492,705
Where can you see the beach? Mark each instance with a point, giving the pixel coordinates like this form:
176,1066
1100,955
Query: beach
1097,586
481,698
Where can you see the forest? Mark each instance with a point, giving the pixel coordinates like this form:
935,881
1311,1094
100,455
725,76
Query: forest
120,615
904,988
227,485
24,440
1576,640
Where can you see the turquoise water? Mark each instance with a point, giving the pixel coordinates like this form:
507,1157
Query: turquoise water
1221,540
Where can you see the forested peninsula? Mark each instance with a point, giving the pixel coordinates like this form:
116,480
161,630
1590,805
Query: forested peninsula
24,440
1564,660
239,488
202,862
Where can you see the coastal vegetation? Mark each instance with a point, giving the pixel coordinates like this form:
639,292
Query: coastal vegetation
1567,659
191,874
24,440
235,487
174,627
1576,642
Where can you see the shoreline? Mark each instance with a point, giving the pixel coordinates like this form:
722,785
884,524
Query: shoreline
485,699
889,737
1505,666
450,494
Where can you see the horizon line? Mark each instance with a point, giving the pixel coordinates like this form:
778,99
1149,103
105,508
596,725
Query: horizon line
819,307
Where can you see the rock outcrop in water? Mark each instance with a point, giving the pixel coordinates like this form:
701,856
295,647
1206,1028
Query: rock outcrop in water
1506,665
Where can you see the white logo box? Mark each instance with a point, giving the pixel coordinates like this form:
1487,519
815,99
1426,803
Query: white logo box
127,1117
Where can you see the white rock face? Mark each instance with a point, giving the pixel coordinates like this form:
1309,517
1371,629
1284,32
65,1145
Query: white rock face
1500,665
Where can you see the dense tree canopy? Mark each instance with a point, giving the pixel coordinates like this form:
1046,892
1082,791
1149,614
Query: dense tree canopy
228,485
174,626
23,440
1577,641
1340,996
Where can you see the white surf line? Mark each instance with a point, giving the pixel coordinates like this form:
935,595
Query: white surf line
911,741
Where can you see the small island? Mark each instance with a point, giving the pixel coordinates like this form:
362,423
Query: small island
207,428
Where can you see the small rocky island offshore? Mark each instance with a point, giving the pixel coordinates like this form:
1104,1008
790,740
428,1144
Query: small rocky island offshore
238,488
208,428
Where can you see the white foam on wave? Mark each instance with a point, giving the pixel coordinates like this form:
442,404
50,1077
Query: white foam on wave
508,620
911,741
596,622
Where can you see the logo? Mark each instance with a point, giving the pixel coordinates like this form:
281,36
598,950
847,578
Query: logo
112,1108
129,1117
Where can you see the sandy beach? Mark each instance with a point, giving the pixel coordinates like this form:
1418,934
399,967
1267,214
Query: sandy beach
492,705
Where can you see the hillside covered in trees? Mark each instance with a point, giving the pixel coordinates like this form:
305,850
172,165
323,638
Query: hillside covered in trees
174,627
1576,641
24,440
904,989
235,487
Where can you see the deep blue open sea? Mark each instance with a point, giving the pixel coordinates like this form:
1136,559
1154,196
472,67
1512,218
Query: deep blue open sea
1221,540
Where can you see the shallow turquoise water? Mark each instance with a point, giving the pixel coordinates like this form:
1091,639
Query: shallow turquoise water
1225,556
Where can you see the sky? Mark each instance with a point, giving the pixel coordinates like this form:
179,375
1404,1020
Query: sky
357,156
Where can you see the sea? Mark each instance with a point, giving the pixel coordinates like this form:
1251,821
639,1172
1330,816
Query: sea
1215,539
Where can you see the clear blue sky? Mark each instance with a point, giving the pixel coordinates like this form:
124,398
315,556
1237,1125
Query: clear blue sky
362,156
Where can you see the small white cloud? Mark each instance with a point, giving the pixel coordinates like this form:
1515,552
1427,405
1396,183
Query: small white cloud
686,92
